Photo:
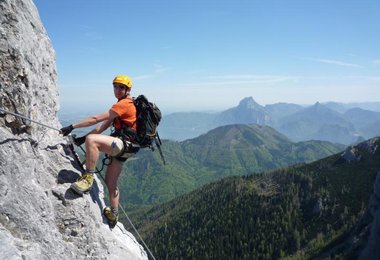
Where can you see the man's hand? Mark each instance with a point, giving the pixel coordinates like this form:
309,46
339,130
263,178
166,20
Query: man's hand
67,130
80,140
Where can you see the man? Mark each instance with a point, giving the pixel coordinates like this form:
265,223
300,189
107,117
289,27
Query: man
121,115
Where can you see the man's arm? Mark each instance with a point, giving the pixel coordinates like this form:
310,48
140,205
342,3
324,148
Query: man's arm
92,120
111,115
107,117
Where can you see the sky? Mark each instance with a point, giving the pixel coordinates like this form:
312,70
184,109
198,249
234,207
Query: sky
206,55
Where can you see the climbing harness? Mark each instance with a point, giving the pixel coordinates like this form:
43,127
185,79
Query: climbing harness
26,118
105,163
131,143
148,117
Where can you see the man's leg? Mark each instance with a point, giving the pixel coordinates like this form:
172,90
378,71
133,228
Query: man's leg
113,173
95,143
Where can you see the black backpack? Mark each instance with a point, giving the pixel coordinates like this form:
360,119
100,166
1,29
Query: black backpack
147,119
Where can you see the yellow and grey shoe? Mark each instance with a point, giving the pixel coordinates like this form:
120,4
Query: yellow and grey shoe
84,183
111,217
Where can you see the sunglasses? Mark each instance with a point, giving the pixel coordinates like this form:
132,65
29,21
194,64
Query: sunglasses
119,86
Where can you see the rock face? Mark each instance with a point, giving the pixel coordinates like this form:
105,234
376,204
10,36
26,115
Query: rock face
40,217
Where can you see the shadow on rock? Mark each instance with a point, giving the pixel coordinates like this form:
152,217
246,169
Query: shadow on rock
66,176
95,192
72,195
75,162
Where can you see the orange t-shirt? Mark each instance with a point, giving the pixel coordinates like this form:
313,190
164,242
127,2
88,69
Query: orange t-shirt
126,111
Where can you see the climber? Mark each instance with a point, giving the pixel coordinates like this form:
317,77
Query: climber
121,114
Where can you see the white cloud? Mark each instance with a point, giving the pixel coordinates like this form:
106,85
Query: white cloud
250,77
339,63
142,77
157,69
334,62
244,79
376,62
93,36
91,33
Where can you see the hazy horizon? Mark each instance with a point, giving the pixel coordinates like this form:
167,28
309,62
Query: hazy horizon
90,109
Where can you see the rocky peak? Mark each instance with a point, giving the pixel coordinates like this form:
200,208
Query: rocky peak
247,112
318,107
248,103
40,217
322,110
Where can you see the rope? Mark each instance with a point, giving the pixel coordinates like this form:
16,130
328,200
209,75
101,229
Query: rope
138,234
99,172
26,118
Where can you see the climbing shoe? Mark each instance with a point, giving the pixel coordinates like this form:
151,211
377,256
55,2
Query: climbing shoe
111,217
84,183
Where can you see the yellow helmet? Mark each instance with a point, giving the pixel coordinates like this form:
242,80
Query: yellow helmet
125,80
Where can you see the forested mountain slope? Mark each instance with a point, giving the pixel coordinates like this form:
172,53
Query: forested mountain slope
224,151
315,210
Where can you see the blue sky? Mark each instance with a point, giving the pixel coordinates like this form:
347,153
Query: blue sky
208,55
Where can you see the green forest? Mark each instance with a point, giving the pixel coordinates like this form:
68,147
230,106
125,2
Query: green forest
232,150
205,205
314,210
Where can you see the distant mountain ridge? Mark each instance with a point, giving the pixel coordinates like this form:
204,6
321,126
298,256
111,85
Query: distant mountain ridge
362,118
334,122
311,123
222,152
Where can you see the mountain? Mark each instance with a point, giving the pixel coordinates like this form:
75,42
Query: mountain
247,112
225,151
373,129
280,110
181,126
321,210
338,107
363,119
337,134
334,122
343,107
315,122
186,125
40,217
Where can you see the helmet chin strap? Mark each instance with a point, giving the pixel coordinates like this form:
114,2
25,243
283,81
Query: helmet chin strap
126,94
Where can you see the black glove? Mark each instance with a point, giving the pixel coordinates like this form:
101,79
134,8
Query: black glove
67,130
80,140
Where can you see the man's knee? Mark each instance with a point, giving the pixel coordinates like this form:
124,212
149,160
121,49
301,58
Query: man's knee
91,139
116,192
112,188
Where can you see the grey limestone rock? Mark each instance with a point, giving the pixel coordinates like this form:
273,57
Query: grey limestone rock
40,217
